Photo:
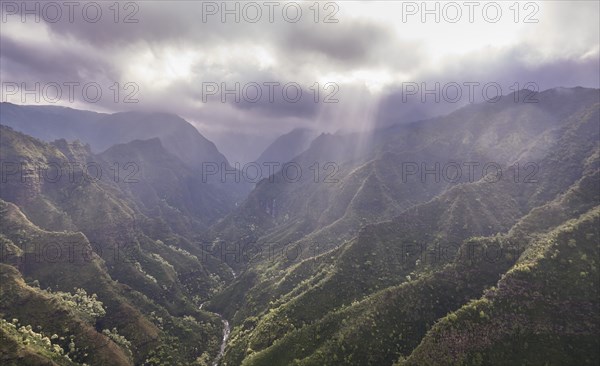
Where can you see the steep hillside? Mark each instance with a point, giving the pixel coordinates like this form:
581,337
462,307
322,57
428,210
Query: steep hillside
163,186
390,323
349,181
287,146
544,310
177,135
81,300
141,263
290,293
313,218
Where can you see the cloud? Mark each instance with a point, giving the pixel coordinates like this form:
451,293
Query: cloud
175,48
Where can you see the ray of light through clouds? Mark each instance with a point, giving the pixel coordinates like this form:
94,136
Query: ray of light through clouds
372,49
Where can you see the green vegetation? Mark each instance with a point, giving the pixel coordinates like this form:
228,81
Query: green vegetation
26,345
370,269
87,242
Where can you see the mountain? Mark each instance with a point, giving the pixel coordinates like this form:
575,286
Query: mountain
178,136
541,310
348,181
49,123
101,130
75,220
389,324
336,301
287,146
164,186
470,238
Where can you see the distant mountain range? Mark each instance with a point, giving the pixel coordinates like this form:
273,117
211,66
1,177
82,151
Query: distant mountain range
102,131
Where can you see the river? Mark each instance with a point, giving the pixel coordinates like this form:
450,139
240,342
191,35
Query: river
226,330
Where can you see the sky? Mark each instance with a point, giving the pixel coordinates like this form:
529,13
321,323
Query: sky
246,72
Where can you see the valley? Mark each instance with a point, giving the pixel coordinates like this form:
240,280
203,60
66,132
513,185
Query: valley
416,251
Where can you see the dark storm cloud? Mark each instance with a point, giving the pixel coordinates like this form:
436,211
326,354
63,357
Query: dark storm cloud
304,107
347,43
150,21
182,23
186,22
363,50
300,48
45,62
